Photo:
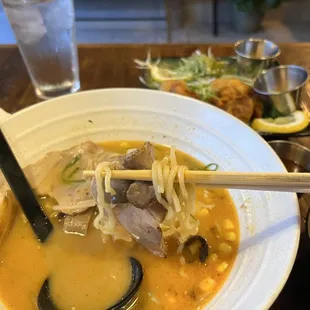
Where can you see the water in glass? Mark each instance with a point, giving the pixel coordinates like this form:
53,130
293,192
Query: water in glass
45,32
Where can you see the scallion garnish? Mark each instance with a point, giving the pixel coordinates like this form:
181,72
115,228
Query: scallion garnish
211,167
67,173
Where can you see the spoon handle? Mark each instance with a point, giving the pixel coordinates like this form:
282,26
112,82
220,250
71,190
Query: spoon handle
15,176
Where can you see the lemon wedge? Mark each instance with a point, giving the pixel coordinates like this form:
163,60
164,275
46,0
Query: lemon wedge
162,74
295,122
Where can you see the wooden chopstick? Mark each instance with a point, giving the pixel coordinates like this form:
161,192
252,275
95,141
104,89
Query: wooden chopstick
266,181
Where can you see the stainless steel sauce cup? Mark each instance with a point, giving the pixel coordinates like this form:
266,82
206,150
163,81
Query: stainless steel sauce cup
255,55
296,158
282,87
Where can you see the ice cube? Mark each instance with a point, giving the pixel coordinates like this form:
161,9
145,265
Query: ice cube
27,23
60,14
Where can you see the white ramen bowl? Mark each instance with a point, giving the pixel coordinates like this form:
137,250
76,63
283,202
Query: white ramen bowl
269,221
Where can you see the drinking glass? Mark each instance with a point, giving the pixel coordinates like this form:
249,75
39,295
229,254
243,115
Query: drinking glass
45,33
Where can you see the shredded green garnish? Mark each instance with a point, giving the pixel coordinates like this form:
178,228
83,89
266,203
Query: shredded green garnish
194,67
197,70
201,65
202,88
67,173
211,167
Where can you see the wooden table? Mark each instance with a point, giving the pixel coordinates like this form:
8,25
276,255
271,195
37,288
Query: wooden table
104,66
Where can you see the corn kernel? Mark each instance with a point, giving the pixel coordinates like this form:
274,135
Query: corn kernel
213,257
204,211
124,144
207,284
230,236
222,267
228,224
172,300
206,193
225,248
216,230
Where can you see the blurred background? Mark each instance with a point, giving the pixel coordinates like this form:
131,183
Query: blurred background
184,21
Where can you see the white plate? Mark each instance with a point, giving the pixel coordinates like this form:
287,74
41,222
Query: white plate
269,221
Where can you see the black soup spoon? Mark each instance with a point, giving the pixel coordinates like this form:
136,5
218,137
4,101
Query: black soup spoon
40,223
45,301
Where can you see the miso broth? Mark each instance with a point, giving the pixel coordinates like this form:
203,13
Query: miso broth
86,273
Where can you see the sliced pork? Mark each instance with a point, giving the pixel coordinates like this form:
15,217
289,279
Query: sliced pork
59,174
143,225
119,186
140,159
78,224
141,194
